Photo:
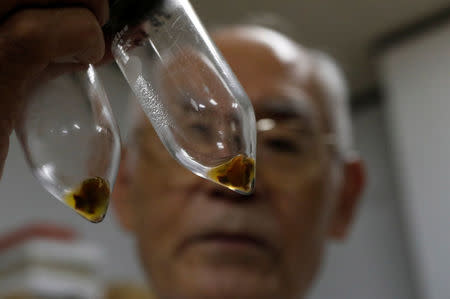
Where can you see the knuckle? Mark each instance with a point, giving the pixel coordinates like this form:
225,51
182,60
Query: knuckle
95,8
25,28
26,37
92,38
90,26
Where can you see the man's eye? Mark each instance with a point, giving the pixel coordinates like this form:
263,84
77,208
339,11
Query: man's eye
282,145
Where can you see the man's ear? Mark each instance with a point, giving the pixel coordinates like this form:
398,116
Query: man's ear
353,184
121,196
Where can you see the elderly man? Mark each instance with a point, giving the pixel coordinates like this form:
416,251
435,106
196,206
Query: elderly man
197,239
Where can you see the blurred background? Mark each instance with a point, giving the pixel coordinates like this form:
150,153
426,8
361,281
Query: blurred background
396,57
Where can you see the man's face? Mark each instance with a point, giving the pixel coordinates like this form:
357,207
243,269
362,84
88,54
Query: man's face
199,240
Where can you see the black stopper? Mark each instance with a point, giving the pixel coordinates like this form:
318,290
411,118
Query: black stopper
132,12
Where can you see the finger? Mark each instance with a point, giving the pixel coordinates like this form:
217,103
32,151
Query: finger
4,145
36,37
100,8
108,57
6,127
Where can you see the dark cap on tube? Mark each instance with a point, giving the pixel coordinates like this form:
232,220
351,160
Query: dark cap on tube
131,12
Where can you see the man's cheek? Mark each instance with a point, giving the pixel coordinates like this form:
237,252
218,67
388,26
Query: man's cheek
153,218
303,210
165,173
158,206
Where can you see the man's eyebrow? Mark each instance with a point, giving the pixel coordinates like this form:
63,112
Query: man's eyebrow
282,110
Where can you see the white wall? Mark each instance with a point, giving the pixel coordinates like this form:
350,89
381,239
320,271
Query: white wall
417,80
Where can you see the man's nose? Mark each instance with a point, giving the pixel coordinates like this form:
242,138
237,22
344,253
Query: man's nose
218,192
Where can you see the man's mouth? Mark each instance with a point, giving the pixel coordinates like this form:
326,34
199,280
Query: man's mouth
229,238
224,241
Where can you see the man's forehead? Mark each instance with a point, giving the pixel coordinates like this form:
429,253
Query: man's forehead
264,43
276,72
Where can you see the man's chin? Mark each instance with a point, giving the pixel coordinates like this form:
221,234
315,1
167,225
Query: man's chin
228,281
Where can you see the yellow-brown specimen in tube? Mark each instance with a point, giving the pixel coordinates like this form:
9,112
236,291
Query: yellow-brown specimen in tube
237,174
91,199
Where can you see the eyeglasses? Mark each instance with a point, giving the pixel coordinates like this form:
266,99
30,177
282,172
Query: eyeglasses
288,145
286,150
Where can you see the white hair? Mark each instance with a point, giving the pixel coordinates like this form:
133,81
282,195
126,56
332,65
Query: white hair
334,88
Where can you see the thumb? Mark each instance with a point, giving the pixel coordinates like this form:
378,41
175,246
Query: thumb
5,132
